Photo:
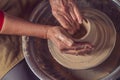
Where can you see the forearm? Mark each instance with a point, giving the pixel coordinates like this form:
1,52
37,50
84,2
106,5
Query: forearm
16,26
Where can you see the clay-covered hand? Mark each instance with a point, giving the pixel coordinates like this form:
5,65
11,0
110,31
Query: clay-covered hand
64,42
67,13
81,48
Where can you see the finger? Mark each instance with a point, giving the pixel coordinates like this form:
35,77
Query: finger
55,42
77,52
72,52
71,22
62,46
84,48
71,12
65,39
74,17
79,46
79,49
64,3
70,17
83,51
78,15
75,24
63,21
83,45
58,43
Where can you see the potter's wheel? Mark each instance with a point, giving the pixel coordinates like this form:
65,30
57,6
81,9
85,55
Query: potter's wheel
102,35
45,67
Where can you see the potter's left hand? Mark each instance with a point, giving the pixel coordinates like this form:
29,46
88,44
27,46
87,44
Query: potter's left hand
64,42
81,48
67,13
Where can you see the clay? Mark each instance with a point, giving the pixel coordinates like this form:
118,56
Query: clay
100,32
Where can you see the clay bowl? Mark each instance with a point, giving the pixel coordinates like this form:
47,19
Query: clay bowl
45,67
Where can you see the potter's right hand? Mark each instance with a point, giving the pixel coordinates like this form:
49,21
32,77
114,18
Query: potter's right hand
65,43
67,13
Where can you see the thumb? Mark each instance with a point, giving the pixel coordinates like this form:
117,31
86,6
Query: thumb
65,39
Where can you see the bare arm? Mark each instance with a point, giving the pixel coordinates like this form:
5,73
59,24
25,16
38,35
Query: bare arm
16,26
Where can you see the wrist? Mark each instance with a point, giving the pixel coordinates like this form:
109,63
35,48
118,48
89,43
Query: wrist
46,36
48,32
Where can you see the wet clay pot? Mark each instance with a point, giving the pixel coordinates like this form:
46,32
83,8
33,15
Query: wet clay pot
100,32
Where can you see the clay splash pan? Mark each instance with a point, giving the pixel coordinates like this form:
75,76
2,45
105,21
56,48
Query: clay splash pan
43,62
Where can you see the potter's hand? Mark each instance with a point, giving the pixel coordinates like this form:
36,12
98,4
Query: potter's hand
67,13
79,49
59,37
63,41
